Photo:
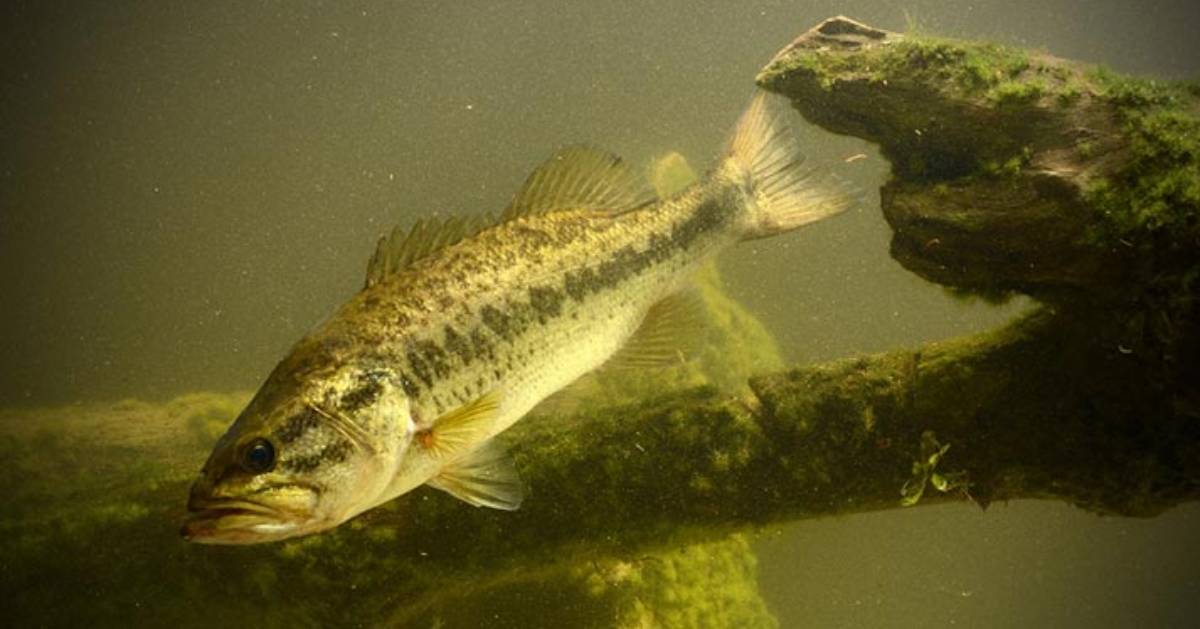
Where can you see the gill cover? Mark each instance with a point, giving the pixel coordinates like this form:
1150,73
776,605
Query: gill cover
302,460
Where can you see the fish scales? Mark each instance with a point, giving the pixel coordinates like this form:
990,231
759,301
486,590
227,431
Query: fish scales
460,331
566,275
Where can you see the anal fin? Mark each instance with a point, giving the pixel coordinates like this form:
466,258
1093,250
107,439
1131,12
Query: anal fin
669,333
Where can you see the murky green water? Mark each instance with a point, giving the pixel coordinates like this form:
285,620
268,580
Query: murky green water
189,187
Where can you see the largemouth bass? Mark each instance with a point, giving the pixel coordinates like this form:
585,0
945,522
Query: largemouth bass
464,325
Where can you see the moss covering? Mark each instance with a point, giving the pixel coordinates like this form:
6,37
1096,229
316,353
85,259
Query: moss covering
710,585
617,492
928,83
918,85
981,69
1157,189
94,504
636,486
1019,171
97,494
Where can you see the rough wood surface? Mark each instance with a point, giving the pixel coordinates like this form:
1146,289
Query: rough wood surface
1006,160
1014,171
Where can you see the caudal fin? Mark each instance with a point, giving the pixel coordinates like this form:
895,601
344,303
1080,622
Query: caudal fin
785,192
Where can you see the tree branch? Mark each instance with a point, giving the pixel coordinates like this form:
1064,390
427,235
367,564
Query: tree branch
1014,171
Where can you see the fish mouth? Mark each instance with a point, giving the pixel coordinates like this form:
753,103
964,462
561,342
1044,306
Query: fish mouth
239,522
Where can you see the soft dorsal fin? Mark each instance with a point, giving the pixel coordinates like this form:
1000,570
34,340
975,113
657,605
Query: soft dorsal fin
399,249
671,174
580,177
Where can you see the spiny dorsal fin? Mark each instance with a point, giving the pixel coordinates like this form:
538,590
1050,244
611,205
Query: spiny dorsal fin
580,177
577,177
399,250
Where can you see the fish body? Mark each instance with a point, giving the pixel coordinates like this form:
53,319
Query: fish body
463,327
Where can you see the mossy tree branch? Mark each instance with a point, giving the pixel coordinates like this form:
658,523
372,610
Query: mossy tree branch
1021,418
1016,171
1013,170
1091,399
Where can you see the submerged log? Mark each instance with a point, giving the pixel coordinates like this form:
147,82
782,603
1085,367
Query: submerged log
1014,172
998,149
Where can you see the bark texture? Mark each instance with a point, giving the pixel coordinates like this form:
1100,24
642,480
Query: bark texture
1013,172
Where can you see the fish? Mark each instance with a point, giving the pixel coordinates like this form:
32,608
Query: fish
465,324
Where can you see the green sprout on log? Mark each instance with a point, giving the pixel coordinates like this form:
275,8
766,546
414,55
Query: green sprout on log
924,472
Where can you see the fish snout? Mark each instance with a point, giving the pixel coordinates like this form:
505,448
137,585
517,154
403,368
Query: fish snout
200,493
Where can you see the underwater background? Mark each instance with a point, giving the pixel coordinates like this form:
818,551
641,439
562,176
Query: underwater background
190,187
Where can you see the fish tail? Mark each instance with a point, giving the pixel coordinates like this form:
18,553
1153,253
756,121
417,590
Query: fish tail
783,192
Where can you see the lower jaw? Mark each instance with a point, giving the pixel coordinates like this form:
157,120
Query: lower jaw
237,529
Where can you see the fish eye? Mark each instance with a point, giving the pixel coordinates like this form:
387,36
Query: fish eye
258,456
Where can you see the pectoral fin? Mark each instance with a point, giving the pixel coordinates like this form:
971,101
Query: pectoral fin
483,478
462,429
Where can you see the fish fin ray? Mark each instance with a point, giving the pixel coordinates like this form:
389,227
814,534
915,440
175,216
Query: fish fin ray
787,193
669,333
401,248
580,177
671,174
486,477
458,430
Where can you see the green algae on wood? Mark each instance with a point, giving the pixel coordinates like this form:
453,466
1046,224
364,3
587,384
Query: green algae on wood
613,484
1017,171
704,585
1116,157
146,453
1069,403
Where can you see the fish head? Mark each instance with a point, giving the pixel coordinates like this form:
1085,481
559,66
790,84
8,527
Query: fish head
301,458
